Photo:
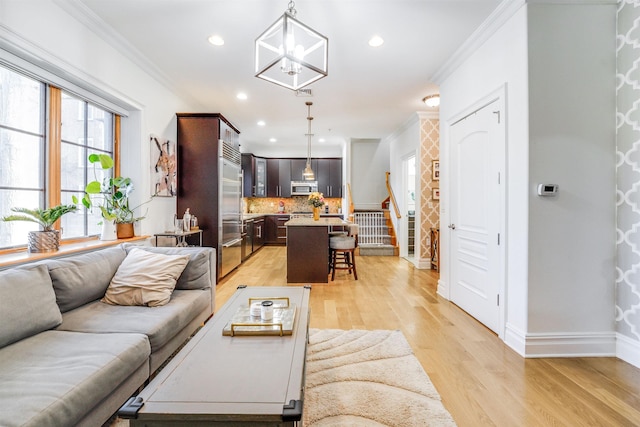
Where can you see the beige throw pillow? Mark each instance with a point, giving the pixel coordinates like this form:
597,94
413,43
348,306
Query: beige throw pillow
145,278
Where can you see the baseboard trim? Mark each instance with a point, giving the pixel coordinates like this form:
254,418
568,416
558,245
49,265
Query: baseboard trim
443,289
628,350
588,344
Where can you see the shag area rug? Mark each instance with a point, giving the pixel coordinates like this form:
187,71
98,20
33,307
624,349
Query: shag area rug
368,378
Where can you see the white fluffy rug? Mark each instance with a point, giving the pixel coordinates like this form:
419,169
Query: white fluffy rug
368,378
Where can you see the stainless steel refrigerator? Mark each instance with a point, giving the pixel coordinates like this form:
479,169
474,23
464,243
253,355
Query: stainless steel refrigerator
230,214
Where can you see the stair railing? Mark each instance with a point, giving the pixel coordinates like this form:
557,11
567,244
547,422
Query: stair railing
392,197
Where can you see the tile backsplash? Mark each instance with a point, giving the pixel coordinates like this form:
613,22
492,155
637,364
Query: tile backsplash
291,204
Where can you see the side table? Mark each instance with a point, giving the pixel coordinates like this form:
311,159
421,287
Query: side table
181,238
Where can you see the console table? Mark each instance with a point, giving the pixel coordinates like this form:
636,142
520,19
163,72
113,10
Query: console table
181,238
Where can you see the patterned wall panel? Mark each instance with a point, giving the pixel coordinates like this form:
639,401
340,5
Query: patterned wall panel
429,209
628,169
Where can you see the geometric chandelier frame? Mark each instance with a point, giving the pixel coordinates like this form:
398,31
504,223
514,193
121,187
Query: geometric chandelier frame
290,53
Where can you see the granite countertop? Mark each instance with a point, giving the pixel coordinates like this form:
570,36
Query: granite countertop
258,215
322,222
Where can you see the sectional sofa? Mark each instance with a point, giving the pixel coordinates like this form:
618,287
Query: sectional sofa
68,358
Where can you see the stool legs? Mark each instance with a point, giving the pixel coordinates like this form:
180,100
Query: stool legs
343,259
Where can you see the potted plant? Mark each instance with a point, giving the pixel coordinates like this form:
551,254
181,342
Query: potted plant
48,239
111,196
316,200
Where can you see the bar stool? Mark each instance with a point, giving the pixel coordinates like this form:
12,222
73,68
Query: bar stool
342,252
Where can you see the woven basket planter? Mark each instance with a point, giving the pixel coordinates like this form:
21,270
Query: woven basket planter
124,230
43,241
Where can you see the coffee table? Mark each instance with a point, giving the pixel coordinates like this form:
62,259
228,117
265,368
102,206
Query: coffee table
231,380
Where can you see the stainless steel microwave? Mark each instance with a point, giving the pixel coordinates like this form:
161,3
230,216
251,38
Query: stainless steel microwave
303,188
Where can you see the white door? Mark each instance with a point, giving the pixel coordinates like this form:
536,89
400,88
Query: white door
477,161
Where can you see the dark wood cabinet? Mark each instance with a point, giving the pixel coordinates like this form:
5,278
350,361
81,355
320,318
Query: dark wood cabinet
278,177
254,176
198,167
329,176
297,167
275,230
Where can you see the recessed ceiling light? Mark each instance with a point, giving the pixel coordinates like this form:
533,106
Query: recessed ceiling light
216,40
272,140
261,123
376,41
241,95
322,140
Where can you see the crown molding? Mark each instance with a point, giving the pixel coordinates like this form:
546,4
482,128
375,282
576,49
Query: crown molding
84,15
495,21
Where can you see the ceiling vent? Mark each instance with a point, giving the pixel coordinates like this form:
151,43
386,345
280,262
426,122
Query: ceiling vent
304,92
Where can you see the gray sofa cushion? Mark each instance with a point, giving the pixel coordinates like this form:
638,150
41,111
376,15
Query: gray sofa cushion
55,377
80,279
160,324
27,303
196,274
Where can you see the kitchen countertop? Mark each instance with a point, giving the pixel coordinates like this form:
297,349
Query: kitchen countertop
310,222
258,215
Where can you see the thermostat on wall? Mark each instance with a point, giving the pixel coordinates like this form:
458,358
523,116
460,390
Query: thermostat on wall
547,189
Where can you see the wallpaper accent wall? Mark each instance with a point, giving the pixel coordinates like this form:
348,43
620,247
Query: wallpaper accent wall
429,209
628,169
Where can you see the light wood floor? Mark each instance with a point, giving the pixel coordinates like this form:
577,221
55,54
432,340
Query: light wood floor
481,381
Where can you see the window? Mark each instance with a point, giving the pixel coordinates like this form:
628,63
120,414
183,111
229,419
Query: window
22,145
82,134
41,166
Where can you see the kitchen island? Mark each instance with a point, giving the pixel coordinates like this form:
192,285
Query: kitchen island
308,249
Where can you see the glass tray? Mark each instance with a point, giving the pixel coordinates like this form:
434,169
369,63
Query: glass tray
242,323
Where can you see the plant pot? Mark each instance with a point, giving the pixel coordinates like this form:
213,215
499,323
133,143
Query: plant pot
43,241
125,230
108,230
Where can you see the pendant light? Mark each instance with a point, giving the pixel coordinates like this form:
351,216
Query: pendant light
308,174
291,54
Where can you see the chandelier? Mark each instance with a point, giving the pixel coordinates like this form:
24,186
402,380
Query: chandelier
308,174
291,54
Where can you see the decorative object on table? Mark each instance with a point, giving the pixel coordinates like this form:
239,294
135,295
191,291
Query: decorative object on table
316,200
290,53
48,239
164,172
186,220
111,195
263,316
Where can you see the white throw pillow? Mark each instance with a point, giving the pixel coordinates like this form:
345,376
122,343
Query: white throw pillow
145,278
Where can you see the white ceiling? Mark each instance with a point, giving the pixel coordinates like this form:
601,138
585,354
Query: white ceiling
368,94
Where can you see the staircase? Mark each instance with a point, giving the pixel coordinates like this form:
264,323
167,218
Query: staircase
375,233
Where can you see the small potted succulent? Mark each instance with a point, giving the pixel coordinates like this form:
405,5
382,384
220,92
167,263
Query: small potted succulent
48,239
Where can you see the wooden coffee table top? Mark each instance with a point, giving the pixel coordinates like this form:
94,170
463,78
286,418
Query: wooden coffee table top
217,378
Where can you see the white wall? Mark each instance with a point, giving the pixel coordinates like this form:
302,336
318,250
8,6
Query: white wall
501,60
43,32
368,163
572,144
556,62
404,143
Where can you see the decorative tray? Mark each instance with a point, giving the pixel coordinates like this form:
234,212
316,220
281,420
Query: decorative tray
243,323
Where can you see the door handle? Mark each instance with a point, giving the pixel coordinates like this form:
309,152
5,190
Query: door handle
452,226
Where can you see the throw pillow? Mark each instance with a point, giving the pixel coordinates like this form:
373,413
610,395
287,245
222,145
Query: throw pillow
145,278
27,303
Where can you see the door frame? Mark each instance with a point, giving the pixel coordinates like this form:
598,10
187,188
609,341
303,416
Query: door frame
404,221
444,288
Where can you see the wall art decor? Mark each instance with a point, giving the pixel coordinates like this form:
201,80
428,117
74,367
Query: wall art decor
435,170
164,167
